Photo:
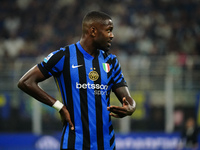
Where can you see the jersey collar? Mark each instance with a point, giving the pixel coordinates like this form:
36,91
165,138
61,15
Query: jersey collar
86,55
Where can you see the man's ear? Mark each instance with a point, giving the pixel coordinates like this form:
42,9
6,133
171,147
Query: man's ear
93,31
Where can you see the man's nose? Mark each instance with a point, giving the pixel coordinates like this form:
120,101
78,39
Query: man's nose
112,35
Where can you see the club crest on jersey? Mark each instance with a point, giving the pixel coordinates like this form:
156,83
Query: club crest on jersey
48,57
93,75
106,67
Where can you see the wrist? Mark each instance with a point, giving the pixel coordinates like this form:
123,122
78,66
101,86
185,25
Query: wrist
58,105
133,106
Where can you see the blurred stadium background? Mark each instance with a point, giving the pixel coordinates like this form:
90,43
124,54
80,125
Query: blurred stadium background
156,41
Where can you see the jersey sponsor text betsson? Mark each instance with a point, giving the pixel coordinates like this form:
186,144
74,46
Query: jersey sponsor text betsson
91,86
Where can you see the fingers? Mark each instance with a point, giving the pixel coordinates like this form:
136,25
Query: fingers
114,115
117,115
65,121
117,109
117,112
125,101
65,116
71,125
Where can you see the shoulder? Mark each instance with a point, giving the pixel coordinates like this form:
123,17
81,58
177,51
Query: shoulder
57,54
108,55
59,51
62,50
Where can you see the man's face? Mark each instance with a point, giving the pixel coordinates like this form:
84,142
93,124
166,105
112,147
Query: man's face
104,35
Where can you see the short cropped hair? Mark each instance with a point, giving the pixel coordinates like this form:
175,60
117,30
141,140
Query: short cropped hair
94,17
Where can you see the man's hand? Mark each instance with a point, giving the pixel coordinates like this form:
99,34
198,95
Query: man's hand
65,117
120,112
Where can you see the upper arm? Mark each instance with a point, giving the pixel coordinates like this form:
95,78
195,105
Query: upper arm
51,65
29,84
33,76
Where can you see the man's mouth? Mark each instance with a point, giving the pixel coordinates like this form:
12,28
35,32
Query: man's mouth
109,43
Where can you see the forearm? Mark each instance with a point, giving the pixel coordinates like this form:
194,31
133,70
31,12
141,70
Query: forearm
132,103
36,92
124,92
128,104
29,84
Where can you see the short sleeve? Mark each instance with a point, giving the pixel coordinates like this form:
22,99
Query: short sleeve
52,65
118,77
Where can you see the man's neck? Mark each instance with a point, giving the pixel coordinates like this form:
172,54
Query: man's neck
88,47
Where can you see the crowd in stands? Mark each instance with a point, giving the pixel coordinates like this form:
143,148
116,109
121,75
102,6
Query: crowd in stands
30,28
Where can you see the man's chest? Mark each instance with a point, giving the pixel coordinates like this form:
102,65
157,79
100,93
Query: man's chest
90,72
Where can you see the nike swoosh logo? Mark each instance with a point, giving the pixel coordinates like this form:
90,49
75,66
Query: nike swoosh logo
76,66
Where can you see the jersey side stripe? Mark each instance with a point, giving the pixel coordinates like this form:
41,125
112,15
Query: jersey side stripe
98,103
62,138
83,100
67,81
110,128
60,88
112,140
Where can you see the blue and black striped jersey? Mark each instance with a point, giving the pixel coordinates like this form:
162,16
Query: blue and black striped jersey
85,83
